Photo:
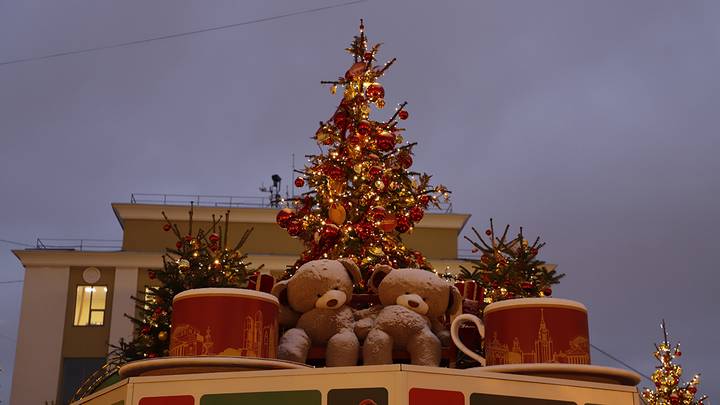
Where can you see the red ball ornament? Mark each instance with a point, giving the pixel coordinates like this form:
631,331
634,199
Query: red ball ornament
405,160
364,230
330,232
424,200
678,353
213,247
178,244
145,330
167,227
403,224
692,389
363,127
152,275
385,141
526,285
488,232
375,171
534,251
335,172
377,213
403,115
158,310
375,91
299,182
388,223
151,355
416,214
355,139
294,228
214,237
547,291
188,238
368,56
284,216
341,119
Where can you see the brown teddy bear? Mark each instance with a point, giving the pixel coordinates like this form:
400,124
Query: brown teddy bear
412,319
317,296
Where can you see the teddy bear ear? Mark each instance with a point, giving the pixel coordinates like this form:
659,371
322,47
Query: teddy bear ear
352,269
455,301
377,276
280,291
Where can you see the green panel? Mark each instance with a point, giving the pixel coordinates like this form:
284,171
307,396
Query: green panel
354,396
264,398
487,399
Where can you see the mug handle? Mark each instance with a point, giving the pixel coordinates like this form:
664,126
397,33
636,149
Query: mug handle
455,327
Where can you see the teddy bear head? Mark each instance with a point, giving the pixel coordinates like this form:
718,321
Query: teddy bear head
325,284
418,290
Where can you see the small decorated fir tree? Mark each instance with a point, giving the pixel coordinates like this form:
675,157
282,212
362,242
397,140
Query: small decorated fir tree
509,268
362,194
198,260
668,388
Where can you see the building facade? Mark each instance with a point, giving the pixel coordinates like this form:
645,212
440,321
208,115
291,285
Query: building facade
74,301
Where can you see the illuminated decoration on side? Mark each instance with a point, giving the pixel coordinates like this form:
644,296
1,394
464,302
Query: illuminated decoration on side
668,388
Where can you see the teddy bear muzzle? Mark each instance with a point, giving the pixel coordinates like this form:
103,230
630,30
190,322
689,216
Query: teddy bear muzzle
331,299
413,302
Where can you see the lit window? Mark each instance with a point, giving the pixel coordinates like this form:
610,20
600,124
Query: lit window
90,305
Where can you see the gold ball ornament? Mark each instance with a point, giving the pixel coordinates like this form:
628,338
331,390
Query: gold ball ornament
183,264
337,214
162,336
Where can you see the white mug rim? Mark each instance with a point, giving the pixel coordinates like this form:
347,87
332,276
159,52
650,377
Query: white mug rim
226,292
539,302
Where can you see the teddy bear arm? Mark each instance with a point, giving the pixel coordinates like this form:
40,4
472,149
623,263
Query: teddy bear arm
342,349
287,318
294,345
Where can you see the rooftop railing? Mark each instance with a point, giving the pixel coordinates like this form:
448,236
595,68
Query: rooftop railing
228,201
86,245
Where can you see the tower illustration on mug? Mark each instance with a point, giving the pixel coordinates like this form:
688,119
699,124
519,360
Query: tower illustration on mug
257,338
543,350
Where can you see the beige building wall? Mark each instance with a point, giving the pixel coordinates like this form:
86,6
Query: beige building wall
40,335
125,286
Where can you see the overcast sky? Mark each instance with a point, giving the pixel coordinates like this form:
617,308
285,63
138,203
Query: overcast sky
593,124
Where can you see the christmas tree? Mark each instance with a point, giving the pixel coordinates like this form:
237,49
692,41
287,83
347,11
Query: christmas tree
668,388
509,268
362,195
198,260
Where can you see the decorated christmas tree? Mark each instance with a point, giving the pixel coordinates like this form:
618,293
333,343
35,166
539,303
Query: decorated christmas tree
200,259
668,388
362,194
509,268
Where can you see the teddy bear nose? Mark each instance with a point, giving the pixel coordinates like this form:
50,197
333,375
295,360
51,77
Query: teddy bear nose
332,303
413,304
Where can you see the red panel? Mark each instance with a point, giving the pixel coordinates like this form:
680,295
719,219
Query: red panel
174,400
421,396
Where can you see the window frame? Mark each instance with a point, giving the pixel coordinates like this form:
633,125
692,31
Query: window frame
90,310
